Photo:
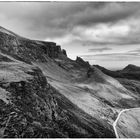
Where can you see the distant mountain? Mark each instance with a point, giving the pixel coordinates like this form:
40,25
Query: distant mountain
131,68
129,72
129,77
45,94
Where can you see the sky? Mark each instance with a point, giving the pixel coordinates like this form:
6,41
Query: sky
103,33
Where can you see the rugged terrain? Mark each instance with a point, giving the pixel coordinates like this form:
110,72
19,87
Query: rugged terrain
127,122
43,93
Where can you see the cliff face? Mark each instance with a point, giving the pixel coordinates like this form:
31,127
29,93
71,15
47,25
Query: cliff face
28,50
52,50
81,62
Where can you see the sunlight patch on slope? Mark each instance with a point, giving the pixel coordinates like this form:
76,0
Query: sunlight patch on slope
85,100
13,72
4,95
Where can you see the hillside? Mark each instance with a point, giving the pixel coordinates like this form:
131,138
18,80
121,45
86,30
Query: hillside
45,94
131,68
128,123
129,72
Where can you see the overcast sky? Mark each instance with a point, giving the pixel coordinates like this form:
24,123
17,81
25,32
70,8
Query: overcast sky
107,34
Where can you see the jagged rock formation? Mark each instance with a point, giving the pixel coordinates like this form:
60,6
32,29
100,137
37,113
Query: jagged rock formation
52,50
64,52
80,61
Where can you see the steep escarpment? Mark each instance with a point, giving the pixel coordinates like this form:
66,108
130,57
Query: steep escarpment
26,49
80,61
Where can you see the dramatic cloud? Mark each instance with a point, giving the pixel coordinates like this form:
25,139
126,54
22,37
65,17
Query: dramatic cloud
80,27
48,19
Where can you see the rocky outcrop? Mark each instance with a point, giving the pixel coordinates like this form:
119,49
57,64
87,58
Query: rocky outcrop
80,61
90,72
64,52
51,49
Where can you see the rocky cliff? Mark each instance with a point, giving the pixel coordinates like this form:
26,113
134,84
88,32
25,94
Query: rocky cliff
26,49
80,61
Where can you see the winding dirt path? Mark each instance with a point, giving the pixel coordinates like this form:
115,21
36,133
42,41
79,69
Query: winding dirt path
115,123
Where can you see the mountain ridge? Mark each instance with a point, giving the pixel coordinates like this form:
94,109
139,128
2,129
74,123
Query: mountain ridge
131,68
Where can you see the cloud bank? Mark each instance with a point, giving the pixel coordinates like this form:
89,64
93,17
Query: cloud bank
83,28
